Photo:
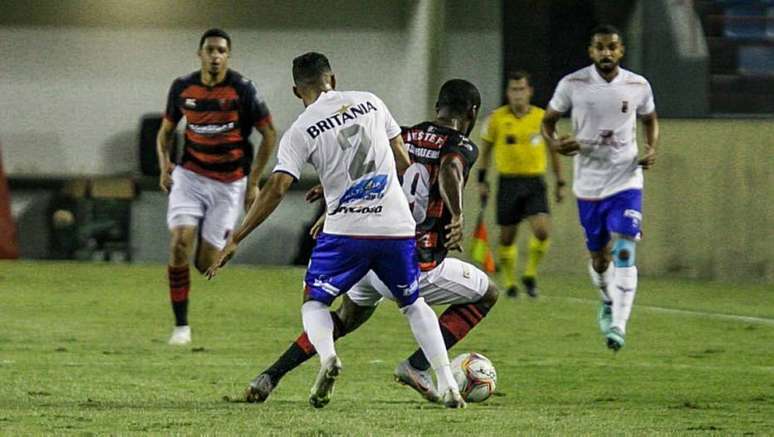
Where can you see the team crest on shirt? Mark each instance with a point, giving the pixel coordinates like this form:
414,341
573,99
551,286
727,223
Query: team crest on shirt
511,139
624,106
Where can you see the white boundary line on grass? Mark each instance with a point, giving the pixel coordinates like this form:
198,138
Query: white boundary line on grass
734,317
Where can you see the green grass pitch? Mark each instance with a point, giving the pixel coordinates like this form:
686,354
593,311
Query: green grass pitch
83,350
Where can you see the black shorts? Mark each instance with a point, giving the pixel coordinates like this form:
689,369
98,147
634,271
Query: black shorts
519,197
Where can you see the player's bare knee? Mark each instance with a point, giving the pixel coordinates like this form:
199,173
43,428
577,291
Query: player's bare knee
492,294
600,262
179,247
541,234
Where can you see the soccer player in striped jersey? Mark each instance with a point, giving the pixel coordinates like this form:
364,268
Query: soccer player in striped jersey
606,100
441,158
351,140
217,175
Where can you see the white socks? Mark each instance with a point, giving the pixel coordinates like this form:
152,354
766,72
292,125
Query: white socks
424,326
318,325
622,291
603,281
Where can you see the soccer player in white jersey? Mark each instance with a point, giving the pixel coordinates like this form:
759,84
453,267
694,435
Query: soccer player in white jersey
606,100
350,139
442,156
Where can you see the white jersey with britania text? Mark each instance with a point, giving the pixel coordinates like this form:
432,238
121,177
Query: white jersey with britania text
604,119
346,137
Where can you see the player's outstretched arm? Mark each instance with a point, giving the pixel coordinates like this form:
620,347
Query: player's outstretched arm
650,121
451,181
269,198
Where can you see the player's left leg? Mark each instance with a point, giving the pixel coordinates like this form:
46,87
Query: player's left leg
224,204
536,209
471,296
538,246
396,267
624,221
470,293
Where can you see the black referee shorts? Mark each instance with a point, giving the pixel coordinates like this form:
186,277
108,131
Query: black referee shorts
519,197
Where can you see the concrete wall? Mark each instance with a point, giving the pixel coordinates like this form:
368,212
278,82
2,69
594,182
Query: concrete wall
79,74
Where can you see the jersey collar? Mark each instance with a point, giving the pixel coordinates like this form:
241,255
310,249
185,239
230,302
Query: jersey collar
596,77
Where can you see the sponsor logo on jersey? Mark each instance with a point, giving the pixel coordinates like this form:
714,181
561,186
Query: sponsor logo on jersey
421,152
212,129
340,117
425,139
190,103
366,189
358,210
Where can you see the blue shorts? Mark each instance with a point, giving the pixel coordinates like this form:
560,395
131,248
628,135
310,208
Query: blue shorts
338,262
620,213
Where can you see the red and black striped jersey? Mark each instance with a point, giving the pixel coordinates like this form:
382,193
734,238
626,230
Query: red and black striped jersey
219,120
427,144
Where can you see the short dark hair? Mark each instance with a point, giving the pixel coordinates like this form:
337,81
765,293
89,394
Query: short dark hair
309,68
605,29
518,75
459,96
214,32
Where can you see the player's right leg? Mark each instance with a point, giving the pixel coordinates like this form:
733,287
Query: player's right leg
180,247
336,264
396,267
602,272
347,318
593,217
510,211
508,254
185,209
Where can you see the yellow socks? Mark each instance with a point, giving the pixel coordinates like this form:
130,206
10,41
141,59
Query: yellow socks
508,256
537,249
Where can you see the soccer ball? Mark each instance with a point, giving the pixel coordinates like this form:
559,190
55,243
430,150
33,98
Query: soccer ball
475,376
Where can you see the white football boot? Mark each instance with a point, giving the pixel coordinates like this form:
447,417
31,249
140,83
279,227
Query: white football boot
419,380
181,336
323,386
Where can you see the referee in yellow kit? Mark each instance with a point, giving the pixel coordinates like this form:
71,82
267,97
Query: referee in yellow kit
513,131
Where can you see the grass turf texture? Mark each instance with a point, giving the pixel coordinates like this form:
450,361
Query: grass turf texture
83,349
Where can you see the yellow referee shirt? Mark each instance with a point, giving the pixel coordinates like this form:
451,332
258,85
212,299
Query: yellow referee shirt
519,149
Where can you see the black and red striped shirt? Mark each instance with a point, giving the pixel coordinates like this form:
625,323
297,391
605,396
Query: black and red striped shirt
427,144
219,120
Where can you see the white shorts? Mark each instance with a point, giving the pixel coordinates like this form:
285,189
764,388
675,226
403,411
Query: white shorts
212,205
451,282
